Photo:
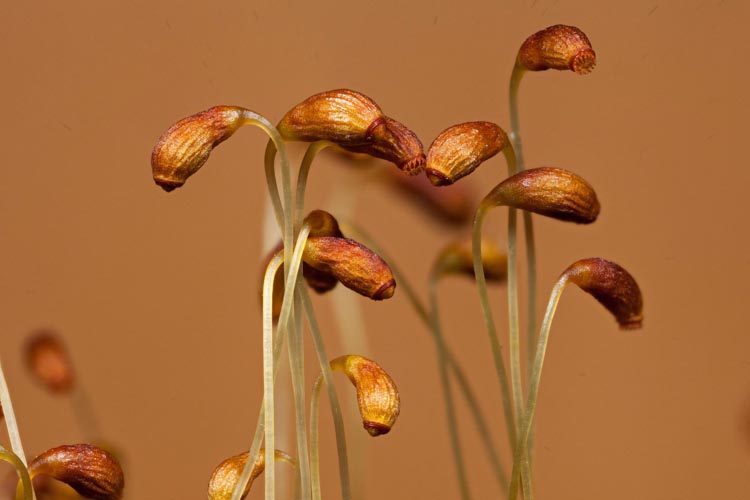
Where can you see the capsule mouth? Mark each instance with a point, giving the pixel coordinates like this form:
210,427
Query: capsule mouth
415,165
376,428
634,323
437,178
583,62
385,291
167,184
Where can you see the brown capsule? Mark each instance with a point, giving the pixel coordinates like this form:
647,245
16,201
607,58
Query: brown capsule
457,258
392,141
89,470
226,475
185,147
353,121
377,395
557,47
48,361
612,286
460,149
355,266
548,191
341,116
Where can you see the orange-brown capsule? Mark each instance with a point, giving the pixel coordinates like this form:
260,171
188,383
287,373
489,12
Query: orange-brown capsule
89,470
183,149
392,141
341,116
557,47
548,191
353,121
355,266
377,395
457,258
48,361
226,475
460,149
612,286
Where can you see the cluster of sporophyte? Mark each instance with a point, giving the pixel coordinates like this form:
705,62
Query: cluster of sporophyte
64,472
315,253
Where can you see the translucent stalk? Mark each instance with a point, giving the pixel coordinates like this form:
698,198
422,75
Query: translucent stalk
531,286
296,362
325,368
23,473
450,410
10,422
304,171
533,392
315,438
483,430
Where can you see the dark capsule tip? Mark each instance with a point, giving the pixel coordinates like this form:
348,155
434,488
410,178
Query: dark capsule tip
375,429
385,291
437,178
168,185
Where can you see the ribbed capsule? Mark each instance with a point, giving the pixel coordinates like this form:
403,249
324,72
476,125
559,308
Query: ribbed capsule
457,258
48,361
185,147
460,149
614,287
227,474
89,470
548,191
557,47
377,394
355,266
353,121
341,116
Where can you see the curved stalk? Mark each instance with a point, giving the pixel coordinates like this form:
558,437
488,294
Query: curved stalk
533,392
12,459
483,430
450,410
10,422
304,170
325,368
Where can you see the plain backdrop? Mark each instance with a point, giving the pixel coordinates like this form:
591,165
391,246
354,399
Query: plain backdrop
156,294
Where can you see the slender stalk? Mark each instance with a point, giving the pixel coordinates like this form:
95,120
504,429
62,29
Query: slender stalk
515,137
325,368
296,362
476,246
268,384
450,410
12,458
513,327
10,422
315,438
284,319
483,430
304,171
533,392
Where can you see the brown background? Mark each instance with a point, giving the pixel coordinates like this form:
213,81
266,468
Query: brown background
156,294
